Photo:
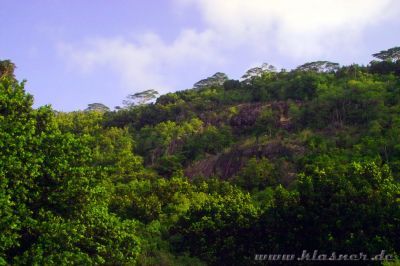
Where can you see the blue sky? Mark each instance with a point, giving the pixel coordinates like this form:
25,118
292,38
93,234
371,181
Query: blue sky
78,52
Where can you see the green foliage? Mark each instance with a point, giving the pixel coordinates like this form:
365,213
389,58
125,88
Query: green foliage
256,174
99,107
53,209
218,230
169,165
166,137
80,122
344,211
95,238
385,67
142,185
303,86
140,98
265,123
211,140
253,73
113,151
7,69
232,85
215,80
319,66
392,54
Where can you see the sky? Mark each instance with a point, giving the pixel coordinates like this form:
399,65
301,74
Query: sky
74,52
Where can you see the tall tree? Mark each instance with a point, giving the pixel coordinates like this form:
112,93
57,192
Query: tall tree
217,79
53,203
140,98
319,66
257,72
392,54
97,107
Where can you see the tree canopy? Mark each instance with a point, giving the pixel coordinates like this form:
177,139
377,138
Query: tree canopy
392,54
257,72
319,66
215,80
97,107
285,161
140,98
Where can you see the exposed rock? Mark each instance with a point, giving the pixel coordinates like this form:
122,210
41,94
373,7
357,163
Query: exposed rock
282,108
229,164
247,116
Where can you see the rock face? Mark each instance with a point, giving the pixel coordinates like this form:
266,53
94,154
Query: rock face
227,165
247,116
282,108
217,79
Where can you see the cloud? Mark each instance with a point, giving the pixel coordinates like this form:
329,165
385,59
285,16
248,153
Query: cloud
146,62
295,29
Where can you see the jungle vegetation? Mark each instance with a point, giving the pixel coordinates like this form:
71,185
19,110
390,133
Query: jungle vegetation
277,162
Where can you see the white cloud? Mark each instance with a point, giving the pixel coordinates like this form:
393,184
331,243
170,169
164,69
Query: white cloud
147,62
294,27
297,29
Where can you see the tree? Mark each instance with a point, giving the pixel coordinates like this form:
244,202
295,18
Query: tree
53,199
219,229
391,55
231,85
169,98
303,85
217,79
113,150
257,174
331,209
7,68
166,137
97,107
384,67
264,124
319,66
167,166
211,140
140,98
257,72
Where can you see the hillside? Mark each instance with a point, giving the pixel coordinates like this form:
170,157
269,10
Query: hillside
275,163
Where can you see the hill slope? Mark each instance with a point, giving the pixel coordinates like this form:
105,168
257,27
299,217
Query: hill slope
276,163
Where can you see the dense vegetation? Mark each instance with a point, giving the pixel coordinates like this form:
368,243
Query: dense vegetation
275,163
